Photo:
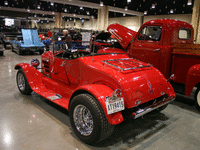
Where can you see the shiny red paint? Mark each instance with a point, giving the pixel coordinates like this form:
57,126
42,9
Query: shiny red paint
89,74
160,53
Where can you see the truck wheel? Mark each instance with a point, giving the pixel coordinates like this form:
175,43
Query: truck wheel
1,53
22,83
197,98
88,120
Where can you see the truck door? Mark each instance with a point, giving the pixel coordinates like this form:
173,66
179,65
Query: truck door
147,45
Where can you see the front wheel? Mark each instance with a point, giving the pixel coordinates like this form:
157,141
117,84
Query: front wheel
197,98
22,83
88,120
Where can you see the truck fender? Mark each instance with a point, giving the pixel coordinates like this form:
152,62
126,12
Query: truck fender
111,50
100,91
33,76
192,79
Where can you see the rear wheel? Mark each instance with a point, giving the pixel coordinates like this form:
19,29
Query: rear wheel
22,83
88,120
1,53
41,52
197,98
20,52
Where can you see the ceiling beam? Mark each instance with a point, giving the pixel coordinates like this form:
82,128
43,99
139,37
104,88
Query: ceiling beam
96,6
75,3
121,10
43,12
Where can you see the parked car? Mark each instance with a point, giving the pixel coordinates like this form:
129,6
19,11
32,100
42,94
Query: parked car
98,90
28,42
1,48
168,45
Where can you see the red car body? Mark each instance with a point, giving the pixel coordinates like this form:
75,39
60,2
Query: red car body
100,75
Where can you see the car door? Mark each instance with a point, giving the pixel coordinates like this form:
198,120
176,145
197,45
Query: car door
147,45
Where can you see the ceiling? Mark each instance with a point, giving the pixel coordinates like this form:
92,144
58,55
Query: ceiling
162,7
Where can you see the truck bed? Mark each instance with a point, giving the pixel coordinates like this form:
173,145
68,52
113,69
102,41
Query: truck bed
184,56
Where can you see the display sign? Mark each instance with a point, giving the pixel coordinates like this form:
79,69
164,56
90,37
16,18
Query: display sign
86,36
9,22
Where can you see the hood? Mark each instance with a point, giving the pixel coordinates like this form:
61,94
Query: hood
122,34
137,80
30,37
103,36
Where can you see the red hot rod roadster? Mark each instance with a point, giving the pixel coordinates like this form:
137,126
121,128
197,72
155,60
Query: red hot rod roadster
98,90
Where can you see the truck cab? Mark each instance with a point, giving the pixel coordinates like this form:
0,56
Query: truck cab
168,45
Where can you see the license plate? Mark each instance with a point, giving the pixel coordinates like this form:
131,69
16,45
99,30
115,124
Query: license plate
116,106
33,49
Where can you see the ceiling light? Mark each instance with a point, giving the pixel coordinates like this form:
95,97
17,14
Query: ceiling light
101,3
70,18
174,2
74,15
92,17
153,6
171,11
5,2
88,12
52,4
38,6
41,21
166,7
35,15
128,1
65,10
183,5
47,21
80,18
81,7
189,2
124,14
28,10
126,8
145,12
53,12
143,0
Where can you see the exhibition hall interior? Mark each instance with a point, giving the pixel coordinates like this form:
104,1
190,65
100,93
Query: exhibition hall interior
99,74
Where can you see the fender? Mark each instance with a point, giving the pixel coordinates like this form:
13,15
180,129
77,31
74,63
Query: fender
100,91
192,78
111,50
34,78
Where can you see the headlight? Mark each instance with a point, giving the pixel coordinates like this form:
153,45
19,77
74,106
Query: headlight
35,62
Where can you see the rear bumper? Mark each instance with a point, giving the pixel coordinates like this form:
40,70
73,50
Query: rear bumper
142,111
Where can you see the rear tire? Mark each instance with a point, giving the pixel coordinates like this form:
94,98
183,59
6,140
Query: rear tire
197,98
88,120
22,83
20,52
1,53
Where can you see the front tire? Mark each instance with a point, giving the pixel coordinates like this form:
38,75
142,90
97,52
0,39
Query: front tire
22,83
197,98
88,120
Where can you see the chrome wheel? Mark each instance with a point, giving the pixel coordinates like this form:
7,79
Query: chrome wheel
83,120
198,98
21,81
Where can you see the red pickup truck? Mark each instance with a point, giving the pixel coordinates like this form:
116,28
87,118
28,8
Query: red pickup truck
168,45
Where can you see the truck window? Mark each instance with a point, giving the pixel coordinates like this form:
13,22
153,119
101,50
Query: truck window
152,33
184,33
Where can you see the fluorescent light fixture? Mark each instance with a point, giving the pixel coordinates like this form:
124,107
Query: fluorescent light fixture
101,3
189,2
145,12
171,11
126,8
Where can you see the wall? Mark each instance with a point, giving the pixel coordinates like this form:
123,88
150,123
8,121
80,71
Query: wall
133,23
